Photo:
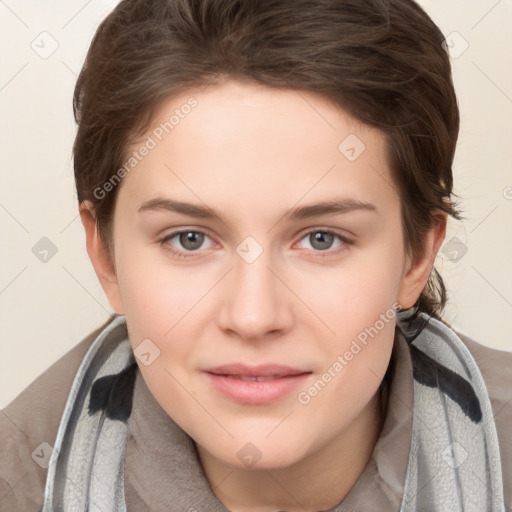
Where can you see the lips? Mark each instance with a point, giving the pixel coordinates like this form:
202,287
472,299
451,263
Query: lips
257,379
264,370
255,384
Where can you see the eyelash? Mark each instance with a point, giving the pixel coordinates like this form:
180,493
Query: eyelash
191,254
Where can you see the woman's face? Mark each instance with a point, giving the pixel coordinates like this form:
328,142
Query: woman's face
266,326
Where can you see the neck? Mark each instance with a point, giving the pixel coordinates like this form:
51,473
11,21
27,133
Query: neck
318,482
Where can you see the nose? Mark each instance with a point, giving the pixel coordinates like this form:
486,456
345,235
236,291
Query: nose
255,304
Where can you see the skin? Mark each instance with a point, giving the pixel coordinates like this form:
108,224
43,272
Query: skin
254,153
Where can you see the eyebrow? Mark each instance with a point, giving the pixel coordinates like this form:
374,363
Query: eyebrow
335,206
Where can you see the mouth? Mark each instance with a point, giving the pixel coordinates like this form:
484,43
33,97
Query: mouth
256,379
255,385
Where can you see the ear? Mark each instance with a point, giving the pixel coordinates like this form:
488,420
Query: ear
417,271
99,258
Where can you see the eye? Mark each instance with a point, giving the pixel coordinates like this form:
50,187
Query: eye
325,241
186,241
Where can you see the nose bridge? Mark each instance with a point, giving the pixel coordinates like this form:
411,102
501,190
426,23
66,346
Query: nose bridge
253,304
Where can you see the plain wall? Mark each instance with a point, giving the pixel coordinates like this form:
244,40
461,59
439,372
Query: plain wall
47,307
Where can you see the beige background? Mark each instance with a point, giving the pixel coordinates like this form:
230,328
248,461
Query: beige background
48,307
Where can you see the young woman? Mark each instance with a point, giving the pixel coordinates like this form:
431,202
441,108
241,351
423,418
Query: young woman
264,187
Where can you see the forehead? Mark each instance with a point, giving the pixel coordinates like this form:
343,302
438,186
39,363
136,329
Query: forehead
254,145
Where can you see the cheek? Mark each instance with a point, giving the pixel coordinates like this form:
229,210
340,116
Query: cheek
352,380
352,296
159,297
162,304
358,303
354,360
362,315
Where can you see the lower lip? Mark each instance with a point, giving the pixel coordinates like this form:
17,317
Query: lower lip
256,392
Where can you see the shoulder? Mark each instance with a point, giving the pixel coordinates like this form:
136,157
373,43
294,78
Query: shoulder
496,368
29,426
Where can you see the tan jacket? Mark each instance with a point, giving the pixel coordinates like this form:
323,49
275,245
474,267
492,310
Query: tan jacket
162,472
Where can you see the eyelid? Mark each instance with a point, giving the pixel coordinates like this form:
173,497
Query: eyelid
163,241
186,229
346,241
343,234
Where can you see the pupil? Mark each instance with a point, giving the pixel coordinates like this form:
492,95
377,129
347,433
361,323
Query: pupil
321,240
191,240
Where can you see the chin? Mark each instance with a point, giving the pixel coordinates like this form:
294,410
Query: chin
260,455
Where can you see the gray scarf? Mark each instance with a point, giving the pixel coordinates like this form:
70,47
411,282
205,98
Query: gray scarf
454,461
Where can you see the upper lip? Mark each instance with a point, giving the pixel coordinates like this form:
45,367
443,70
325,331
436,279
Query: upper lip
263,370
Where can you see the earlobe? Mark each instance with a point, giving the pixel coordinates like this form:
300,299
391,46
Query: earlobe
418,270
100,260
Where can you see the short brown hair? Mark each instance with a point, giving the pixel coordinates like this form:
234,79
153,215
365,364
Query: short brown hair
381,60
